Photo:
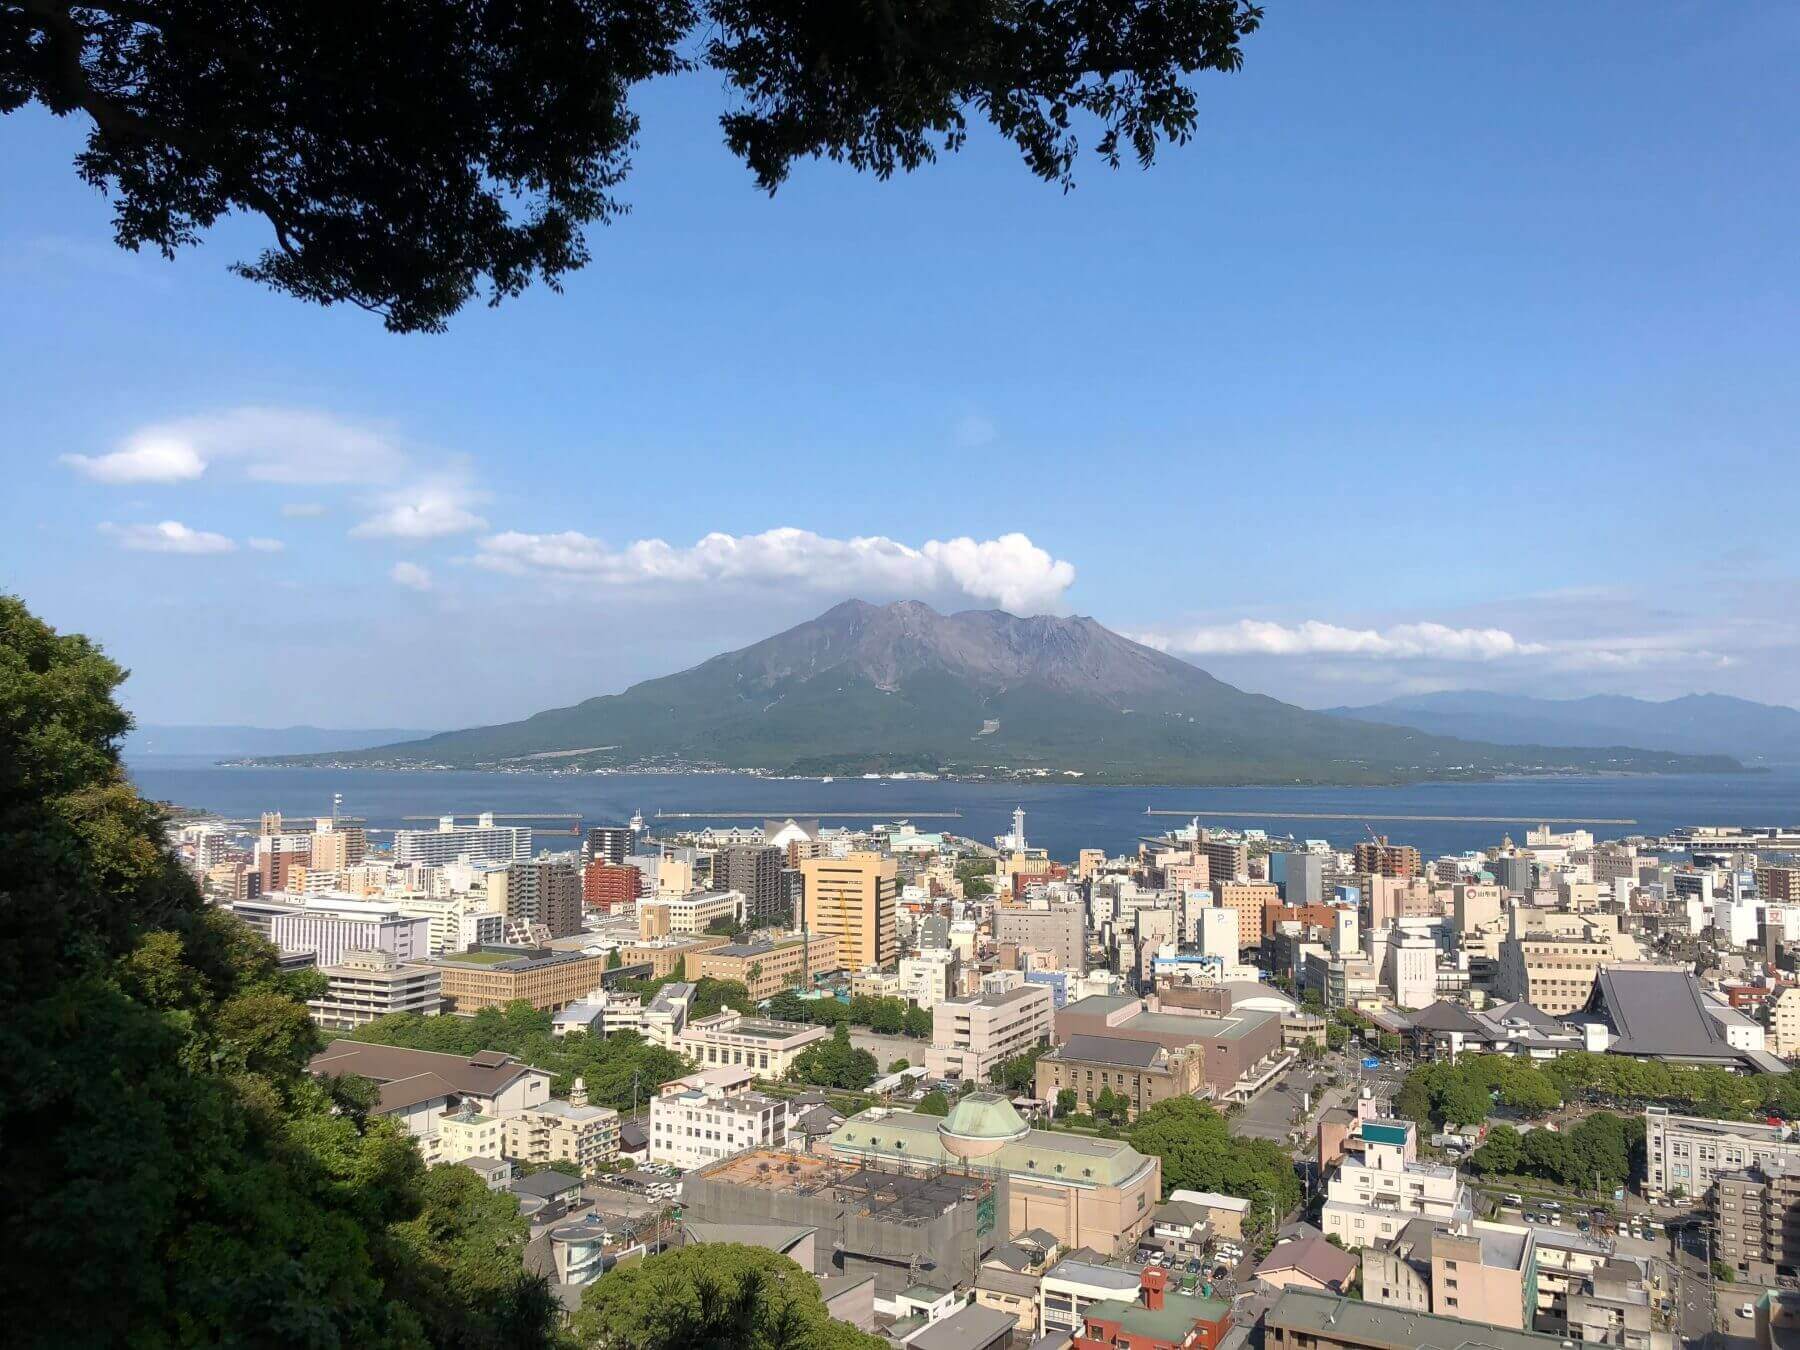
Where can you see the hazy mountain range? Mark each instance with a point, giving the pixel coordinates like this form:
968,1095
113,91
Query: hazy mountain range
867,688
236,740
1756,733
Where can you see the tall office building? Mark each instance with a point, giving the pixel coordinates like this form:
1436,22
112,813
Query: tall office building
756,871
1303,879
610,843
1224,861
856,900
337,845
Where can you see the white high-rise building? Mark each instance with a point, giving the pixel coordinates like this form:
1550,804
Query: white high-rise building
450,841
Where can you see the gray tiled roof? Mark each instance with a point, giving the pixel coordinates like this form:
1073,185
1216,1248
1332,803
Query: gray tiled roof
1110,1050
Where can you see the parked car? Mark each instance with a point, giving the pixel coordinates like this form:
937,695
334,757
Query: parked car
1747,1310
1513,1199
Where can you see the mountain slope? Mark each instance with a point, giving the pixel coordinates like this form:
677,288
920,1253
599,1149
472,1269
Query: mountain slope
240,740
865,688
1697,724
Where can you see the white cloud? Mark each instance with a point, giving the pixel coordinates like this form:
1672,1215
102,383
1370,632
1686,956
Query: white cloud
411,575
168,536
265,545
269,445
1009,571
303,510
430,509
149,459
1403,642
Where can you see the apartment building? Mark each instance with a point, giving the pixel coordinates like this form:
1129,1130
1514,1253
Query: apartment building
930,976
688,913
555,1131
695,1121
1387,860
458,920
1142,1072
338,845
1248,899
855,899
607,886
494,978
1780,885
766,968
764,1045
756,872
1483,1272
1057,930
1377,1190
969,1036
1302,1319
1683,1155
1756,1214
367,985
1784,1023
483,841
609,843
1225,861
1072,1286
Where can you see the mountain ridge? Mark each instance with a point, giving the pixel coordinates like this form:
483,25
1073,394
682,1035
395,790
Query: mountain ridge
1689,724
880,688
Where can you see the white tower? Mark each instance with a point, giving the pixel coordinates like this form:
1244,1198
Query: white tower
1018,838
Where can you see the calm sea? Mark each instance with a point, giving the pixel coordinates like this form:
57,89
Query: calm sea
1061,818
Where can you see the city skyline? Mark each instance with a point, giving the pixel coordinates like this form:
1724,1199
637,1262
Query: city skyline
1439,359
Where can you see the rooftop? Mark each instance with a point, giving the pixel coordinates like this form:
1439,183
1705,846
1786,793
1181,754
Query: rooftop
1171,1322
1373,1324
894,1197
1075,1159
1109,1050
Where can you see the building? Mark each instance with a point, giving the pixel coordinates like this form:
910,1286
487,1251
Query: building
607,886
367,985
1072,1286
1377,1189
1554,969
766,968
689,913
337,845
1304,1320
669,955
931,975
1483,1272
971,1035
1784,1022
856,900
1155,1320
494,978
1778,884
1308,1262
1247,899
331,926
756,873
1387,860
1084,1191
1240,1049
610,843
1683,1155
1142,1072
482,842
1661,1012
695,1121
763,1045
1057,930
572,1132
1302,878
1225,860
418,1088
904,1228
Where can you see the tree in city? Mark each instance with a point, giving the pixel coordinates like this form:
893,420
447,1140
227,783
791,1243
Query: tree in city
916,1022
717,1294
933,1103
406,157
1066,1101
1199,1153
1501,1153
614,960
896,1065
1018,1074
834,1063
713,996
1463,1102
173,1173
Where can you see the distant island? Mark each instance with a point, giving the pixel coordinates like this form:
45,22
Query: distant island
980,694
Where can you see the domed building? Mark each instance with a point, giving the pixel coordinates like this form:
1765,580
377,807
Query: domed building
1086,1191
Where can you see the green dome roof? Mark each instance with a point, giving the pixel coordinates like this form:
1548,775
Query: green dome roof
980,1123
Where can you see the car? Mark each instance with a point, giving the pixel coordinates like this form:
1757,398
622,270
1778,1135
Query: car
1513,1199
1552,1206
1746,1310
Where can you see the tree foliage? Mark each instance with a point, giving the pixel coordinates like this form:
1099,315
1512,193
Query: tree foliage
1603,1147
933,1103
834,1063
173,1174
719,1295
1199,1153
1463,1094
885,1016
605,1064
1018,1075
407,156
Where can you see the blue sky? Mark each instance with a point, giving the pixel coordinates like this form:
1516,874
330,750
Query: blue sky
1458,349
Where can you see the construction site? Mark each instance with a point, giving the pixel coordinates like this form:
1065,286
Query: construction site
931,1227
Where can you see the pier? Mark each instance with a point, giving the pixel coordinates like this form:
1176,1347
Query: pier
1364,816
896,813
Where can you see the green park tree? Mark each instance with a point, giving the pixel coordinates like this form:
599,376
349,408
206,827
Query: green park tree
834,1063
933,1103
508,129
718,1294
